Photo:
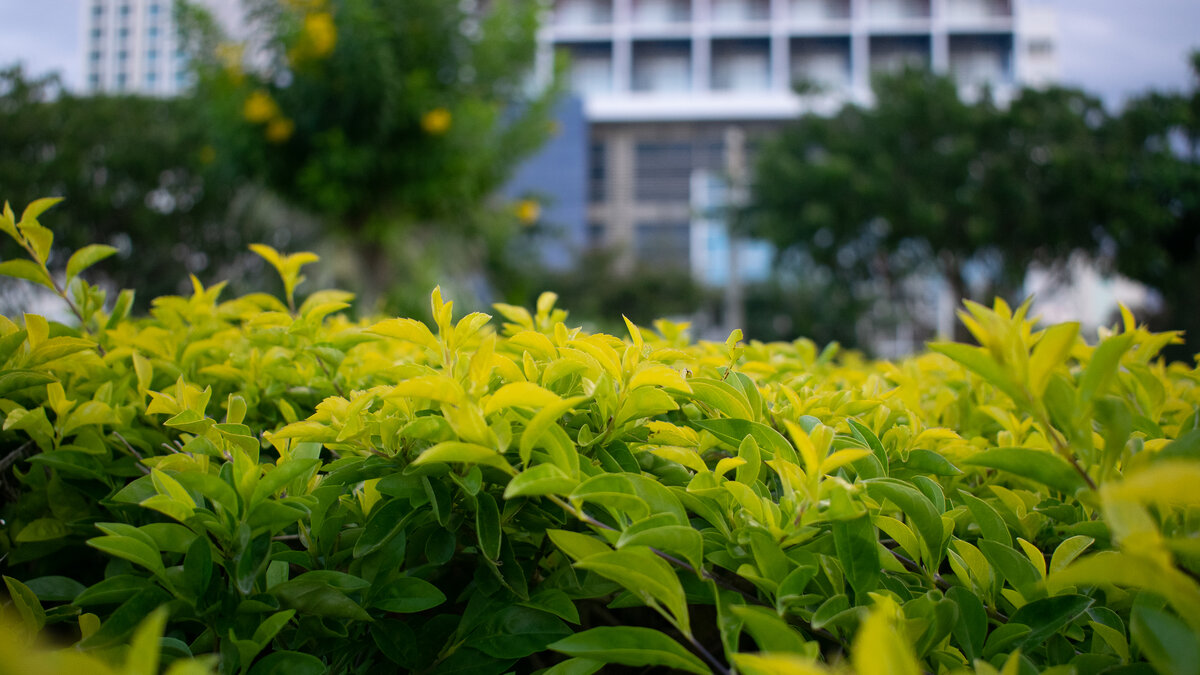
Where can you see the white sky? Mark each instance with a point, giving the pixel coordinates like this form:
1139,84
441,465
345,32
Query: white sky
1114,48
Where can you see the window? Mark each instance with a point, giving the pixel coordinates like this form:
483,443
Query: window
595,234
124,10
154,9
662,66
819,10
94,80
981,59
94,56
98,10
1041,47
582,12
663,245
153,32
151,78
597,172
121,79
97,33
741,65
821,62
122,55
893,53
152,55
899,9
741,10
591,67
123,33
661,11
973,10
663,171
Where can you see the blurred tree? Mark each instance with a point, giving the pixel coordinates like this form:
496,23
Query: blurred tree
1161,246
392,122
924,181
137,173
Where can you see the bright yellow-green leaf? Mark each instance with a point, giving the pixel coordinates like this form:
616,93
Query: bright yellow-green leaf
777,664
881,649
469,453
659,376
406,329
521,394
1049,353
86,257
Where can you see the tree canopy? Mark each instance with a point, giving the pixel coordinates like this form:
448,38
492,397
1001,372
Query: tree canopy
924,181
136,172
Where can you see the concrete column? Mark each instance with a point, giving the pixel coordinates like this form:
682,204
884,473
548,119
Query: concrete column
781,67
621,196
939,37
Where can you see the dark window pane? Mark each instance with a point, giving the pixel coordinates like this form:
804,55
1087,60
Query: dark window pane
663,245
663,171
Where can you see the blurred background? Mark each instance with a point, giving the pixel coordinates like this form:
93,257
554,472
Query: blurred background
845,170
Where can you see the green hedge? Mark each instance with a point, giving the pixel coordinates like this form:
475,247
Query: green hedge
279,488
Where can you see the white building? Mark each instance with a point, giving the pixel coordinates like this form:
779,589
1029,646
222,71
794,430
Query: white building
663,81
132,46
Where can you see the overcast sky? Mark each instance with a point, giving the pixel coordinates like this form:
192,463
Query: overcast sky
1115,48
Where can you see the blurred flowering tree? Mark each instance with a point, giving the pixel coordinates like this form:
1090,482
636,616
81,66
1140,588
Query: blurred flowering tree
393,122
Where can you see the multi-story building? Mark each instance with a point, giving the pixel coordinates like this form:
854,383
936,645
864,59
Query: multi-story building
132,46
663,83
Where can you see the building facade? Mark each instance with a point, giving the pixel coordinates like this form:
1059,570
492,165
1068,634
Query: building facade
664,81
132,46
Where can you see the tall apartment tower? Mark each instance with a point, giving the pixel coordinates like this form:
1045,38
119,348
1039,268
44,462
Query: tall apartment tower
664,82
132,46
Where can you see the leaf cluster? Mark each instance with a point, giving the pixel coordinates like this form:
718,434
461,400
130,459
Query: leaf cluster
281,488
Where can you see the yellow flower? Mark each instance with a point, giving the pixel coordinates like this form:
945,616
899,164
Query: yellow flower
280,129
260,107
436,122
208,155
230,55
320,34
528,211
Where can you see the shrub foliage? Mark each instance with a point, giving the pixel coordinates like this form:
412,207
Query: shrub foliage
259,485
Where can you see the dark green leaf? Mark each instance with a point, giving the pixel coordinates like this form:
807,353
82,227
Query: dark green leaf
408,594
971,628
55,589
770,633
916,506
112,590
858,552
1047,616
928,461
517,632
319,599
386,521
29,608
487,525
1041,466
289,663
122,622
732,431
1165,640
991,525
1012,565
